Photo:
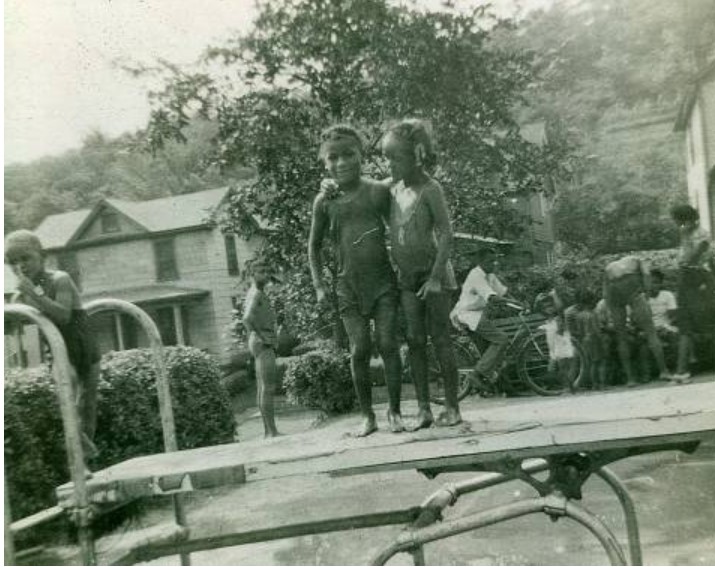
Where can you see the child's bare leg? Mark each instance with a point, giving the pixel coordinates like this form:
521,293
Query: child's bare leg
358,330
386,336
266,374
87,381
438,308
684,350
415,312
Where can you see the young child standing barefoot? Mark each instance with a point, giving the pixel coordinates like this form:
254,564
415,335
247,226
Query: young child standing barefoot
56,296
259,319
421,239
354,219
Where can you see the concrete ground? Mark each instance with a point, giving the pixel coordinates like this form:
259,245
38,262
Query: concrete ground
674,496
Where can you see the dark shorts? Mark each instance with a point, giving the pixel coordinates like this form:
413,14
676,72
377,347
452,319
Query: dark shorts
363,302
624,292
82,349
696,301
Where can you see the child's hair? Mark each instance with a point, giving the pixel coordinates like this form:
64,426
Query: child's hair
417,133
21,240
684,213
585,297
657,275
542,300
482,253
340,132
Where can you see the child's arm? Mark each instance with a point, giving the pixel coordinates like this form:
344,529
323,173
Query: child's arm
318,226
59,310
443,226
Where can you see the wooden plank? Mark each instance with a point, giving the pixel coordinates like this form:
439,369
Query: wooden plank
518,430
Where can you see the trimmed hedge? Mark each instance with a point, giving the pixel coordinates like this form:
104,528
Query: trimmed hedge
320,380
128,421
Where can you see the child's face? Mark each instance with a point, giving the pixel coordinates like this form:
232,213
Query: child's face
401,156
26,262
342,159
261,276
549,309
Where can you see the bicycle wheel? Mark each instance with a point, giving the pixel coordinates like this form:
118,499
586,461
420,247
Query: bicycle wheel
532,365
466,354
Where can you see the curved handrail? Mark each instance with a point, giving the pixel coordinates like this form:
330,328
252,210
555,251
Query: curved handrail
63,375
166,410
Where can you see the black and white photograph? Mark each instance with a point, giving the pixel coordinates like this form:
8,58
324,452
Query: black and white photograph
359,282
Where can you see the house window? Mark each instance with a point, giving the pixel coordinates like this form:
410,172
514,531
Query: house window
67,262
166,321
165,260
109,222
231,256
164,318
130,333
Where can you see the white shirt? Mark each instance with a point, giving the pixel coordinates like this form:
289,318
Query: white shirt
476,291
660,305
560,345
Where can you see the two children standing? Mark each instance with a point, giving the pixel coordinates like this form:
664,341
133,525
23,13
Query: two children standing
353,211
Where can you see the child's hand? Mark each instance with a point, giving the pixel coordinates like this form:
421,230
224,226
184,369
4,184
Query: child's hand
321,295
329,188
25,285
432,285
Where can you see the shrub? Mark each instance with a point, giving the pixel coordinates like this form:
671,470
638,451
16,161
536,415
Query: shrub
128,422
35,459
128,417
321,380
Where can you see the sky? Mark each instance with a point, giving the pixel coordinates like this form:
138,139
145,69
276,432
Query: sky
61,78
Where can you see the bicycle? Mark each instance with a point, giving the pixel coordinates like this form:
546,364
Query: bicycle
525,364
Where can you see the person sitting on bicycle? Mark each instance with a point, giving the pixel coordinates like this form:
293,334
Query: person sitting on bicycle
480,290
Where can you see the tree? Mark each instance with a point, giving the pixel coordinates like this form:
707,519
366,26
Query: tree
309,63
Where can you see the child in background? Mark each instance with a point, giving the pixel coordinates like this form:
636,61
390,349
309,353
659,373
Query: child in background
351,210
558,339
259,319
55,295
584,326
421,241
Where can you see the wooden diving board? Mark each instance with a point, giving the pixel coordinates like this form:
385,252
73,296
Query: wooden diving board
628,420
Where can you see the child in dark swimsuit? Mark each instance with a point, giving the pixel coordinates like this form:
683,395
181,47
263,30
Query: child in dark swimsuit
421,239
354,220
56,296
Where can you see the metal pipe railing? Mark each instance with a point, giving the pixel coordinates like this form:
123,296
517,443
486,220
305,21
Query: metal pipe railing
63,374
166,410
554,506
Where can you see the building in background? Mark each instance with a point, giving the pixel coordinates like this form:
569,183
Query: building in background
696,119
164,255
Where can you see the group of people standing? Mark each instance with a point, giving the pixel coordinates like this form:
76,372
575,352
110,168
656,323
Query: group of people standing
413,271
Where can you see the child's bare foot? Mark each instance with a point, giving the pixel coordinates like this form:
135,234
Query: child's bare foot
424,420
395,421
369,425
449,418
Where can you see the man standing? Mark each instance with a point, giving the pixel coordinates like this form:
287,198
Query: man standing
624,287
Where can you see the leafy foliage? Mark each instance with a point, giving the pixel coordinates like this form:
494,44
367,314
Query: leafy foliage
35,461
128,419
596,222
320,380
111,168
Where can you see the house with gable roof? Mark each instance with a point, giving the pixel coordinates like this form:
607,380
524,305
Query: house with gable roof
164,255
